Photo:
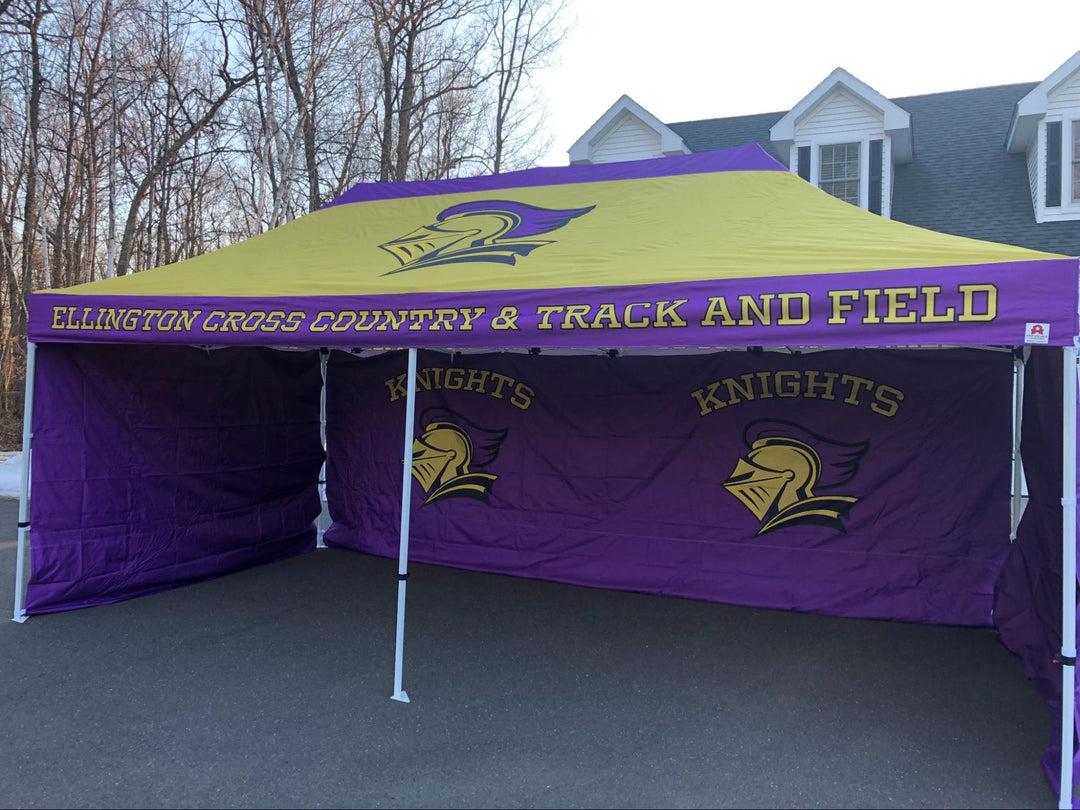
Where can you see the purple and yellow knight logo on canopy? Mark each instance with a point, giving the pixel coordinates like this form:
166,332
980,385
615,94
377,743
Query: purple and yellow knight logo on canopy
446,452
479,231
776,478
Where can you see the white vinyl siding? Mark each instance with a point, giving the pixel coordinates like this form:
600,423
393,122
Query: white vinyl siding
1065,98
629,139
1033,174
841,116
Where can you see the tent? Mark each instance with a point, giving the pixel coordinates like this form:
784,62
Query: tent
694,375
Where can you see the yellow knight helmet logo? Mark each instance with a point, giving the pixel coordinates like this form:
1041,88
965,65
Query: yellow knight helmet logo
776,479
499,231
444,456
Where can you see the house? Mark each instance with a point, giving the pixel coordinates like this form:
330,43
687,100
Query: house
994,163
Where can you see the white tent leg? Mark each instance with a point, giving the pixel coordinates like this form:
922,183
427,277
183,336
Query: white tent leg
1018,414
1068,574
403,545
321,524
24,483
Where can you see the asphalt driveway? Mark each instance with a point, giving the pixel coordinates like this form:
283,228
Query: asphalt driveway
270,688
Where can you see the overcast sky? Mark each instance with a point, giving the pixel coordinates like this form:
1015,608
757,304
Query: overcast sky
689,59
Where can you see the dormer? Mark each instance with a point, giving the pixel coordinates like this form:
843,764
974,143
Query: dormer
845,138
627,131
1046,127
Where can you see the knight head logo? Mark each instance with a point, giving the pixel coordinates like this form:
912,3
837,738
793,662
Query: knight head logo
479,231
785,465
447,453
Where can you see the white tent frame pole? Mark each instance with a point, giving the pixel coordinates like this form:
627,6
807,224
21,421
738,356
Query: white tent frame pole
24,483
324,355
1018,417
403,544
1068,572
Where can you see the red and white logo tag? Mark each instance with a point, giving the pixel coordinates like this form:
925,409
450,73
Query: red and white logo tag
1037,333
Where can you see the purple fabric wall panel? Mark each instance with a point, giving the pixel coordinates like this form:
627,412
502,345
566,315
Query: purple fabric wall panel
159,466
855,483
1027,597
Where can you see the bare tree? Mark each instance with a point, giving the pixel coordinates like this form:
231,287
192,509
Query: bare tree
78,121
232,116
188,110
524,37
31,18
310,97
426,49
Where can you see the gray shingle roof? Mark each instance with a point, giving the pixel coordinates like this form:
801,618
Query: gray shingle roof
723,133
960,181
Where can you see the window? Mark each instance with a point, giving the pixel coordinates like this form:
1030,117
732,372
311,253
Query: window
1076,161
1063,166
1053,164
839,173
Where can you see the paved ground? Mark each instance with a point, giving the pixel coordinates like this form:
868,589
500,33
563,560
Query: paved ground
270,688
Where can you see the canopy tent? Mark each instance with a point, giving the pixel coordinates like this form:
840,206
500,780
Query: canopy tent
191,463
641,251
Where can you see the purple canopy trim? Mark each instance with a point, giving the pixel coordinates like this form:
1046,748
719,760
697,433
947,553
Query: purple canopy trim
750,157
995,304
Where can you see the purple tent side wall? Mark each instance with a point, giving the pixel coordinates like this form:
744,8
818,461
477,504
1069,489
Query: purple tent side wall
621,473
155,467
1027,598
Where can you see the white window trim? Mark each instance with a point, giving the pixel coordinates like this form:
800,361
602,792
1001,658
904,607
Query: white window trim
815,145
864,166
1068,210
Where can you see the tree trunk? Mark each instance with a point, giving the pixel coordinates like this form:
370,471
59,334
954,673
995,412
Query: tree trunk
164,161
